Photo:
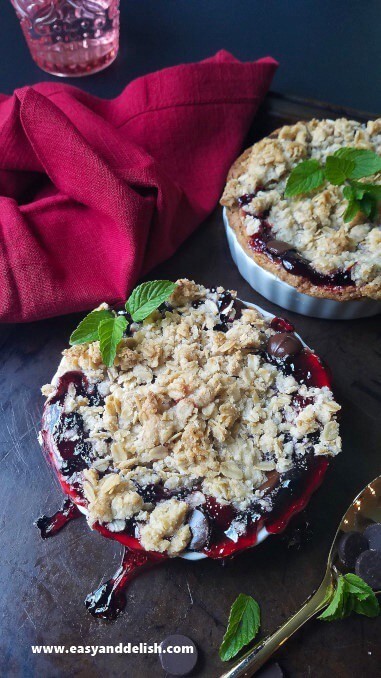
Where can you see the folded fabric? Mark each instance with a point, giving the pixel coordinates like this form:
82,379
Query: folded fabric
94,193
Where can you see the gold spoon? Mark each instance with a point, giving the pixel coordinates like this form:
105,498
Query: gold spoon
365,508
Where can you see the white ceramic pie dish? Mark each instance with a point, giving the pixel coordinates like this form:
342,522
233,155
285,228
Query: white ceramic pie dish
288,297
263,533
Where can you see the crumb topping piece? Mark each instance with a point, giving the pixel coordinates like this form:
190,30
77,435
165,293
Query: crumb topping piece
314,223
191,408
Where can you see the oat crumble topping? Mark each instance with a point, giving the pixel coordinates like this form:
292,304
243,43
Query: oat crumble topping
313,223
194,409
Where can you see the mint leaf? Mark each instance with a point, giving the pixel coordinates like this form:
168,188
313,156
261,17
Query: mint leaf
366,162
349,192
304,178
361,187
357,586
243,626
110,333
336,608
368,205
367,196
352,594
337,169
352,209
87,329
369,607
354,197
356,191
364,599
147,297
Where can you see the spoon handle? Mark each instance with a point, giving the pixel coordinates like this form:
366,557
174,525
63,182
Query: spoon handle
258,655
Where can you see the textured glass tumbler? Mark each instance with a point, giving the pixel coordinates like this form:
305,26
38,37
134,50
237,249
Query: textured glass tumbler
70,37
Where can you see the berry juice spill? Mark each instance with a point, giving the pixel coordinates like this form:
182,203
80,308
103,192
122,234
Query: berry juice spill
49,526
109,599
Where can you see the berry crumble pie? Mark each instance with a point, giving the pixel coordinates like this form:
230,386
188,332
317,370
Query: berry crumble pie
307,240
212,422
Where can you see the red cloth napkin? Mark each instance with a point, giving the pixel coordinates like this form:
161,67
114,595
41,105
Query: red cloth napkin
94,193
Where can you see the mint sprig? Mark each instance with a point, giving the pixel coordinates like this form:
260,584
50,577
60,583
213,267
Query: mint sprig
108,327
243,626
351,594
345,166
87,329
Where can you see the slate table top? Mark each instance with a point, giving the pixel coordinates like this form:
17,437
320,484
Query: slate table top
43,583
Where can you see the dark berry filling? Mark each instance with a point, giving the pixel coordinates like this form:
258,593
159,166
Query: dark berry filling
64,435
230,309
245,199
292,261
165,307
306,368
281,325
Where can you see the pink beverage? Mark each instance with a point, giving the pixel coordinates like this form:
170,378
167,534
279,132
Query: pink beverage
70,37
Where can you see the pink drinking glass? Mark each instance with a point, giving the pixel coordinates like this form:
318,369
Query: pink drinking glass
70,37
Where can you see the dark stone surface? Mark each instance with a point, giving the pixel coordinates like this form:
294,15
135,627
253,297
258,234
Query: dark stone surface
271,671
43,583
327,50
